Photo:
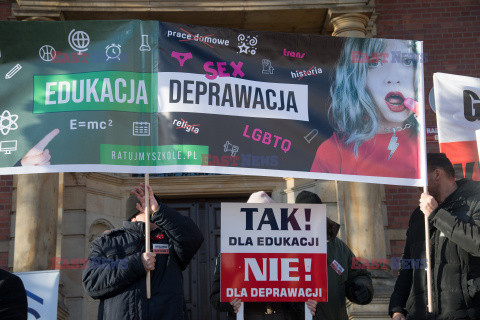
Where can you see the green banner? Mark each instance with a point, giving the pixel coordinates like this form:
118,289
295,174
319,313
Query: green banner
152,155
103,90
147,96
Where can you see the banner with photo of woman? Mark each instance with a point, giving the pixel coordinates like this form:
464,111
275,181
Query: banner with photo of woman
157,97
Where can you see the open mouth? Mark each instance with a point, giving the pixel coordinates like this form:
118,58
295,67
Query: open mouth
395,101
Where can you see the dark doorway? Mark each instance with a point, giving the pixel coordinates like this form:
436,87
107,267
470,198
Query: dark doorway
198,276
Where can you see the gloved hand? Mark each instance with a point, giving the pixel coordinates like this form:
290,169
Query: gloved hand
360,292
473,287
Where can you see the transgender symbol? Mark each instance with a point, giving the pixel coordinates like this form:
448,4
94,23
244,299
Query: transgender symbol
12,122
181,57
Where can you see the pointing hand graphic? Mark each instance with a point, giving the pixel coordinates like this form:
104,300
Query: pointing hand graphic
38,155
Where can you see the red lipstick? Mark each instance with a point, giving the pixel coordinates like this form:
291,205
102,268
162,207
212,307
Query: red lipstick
395,101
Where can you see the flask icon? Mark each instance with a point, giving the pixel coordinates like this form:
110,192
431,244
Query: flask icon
144,46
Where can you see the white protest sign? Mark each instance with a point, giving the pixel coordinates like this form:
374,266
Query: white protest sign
273,252
42,293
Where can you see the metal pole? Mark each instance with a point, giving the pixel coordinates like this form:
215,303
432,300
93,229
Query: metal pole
147,229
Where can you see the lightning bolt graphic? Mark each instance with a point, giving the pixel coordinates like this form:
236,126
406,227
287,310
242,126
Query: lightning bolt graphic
393,145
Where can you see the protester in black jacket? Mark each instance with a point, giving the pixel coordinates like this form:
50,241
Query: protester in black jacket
13,297
118,264
453,210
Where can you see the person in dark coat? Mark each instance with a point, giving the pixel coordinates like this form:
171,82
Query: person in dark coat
344,281
453,211
118,264
13,297
253,310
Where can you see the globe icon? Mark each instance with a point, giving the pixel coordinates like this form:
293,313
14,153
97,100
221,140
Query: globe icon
78,40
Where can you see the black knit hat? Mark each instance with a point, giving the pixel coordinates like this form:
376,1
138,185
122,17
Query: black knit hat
308,197
312,198
132,210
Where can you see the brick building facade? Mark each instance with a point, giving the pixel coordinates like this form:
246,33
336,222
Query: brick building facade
450,31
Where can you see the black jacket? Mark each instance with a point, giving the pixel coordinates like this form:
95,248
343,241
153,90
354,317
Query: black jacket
116,274
13,297
339,285
455,259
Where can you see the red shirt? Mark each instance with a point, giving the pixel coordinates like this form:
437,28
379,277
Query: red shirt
334,156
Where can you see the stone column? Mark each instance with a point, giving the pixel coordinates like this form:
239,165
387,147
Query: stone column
363,213
362,202
350,25
362,206
36,221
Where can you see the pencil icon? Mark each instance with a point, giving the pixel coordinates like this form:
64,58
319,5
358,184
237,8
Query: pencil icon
13,71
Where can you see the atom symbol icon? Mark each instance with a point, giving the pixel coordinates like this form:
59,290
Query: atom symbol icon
11,120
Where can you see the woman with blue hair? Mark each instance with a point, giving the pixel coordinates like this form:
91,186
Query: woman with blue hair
372,111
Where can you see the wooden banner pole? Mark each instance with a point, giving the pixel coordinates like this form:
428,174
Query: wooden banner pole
427,255
147,230
424,170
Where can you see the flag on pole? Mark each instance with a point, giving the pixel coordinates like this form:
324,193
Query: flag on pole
458,116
